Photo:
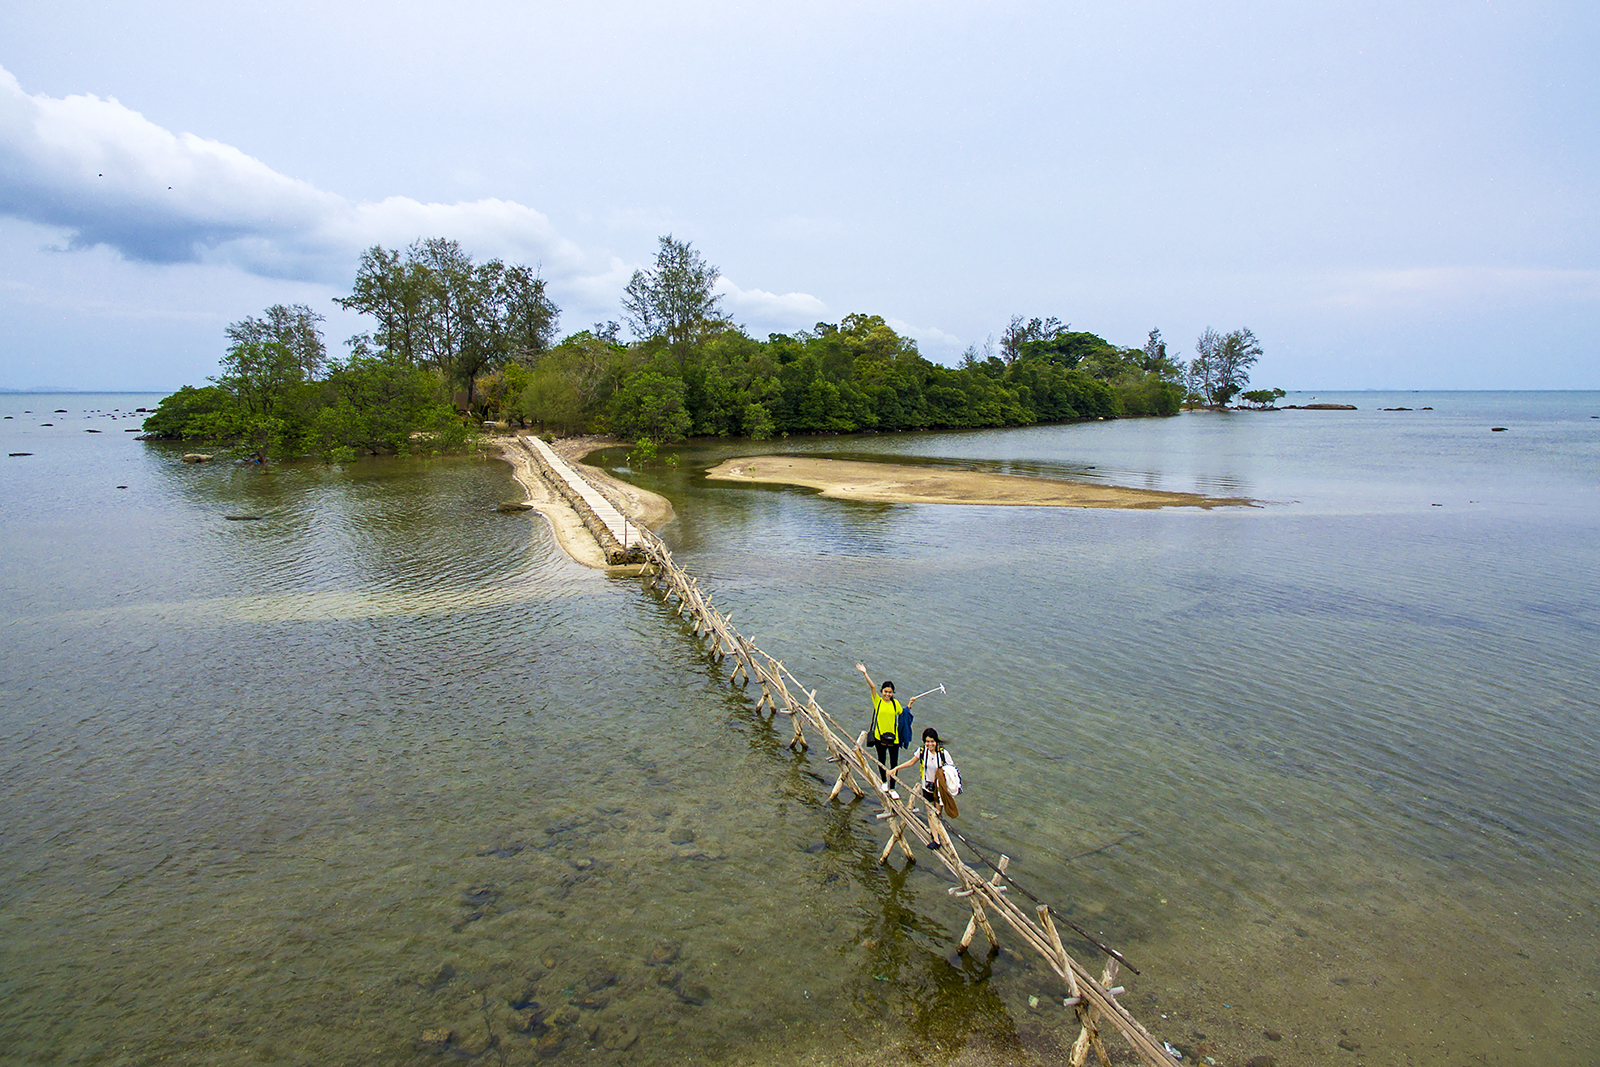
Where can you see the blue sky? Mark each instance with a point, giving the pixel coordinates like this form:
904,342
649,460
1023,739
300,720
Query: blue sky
1391,196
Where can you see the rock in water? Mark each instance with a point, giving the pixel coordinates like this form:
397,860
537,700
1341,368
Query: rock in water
196,457
619,1037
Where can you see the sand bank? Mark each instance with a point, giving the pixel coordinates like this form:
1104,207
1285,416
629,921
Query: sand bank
893,483
641,506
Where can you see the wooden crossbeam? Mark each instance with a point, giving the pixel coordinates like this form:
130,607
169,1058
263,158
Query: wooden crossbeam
1094,1001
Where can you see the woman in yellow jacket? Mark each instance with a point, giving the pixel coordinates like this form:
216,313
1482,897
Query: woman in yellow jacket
886,739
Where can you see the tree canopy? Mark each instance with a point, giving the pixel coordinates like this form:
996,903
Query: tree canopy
676,300
454,341
436,308
1221,367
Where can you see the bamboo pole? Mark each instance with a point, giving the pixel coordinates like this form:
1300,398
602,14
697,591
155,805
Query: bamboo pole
1094,1002
1090,1033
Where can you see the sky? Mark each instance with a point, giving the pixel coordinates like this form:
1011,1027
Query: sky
1390,195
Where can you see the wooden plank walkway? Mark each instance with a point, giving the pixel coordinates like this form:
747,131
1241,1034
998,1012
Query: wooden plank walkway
624,531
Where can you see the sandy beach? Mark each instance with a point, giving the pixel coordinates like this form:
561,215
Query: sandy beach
892,483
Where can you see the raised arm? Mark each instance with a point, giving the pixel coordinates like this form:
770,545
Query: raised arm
862,667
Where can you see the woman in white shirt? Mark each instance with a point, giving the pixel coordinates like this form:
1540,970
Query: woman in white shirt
935,761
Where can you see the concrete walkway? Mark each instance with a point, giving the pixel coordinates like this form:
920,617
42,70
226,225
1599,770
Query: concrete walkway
623,530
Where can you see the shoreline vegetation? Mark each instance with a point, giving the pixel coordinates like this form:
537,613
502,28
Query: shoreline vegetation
456,344
459,346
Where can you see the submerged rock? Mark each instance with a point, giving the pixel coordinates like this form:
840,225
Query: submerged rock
692,993
597,980
196,457
665,952
619,1037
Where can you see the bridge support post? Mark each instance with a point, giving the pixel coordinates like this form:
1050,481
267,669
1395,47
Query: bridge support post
1089,1036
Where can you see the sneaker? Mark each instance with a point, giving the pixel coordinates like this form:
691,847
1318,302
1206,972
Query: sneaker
894,794
933,844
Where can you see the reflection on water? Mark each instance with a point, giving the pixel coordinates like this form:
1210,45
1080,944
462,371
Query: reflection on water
383,778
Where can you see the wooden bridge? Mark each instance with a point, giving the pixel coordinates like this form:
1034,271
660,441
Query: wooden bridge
1094,999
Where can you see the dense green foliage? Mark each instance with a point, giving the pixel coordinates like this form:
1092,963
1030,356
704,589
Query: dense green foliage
693,372
1262,398
857,375
456,342
278,395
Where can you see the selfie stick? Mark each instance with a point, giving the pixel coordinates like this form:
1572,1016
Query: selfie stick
919,696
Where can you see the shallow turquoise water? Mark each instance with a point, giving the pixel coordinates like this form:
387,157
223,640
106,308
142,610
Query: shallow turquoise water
377,766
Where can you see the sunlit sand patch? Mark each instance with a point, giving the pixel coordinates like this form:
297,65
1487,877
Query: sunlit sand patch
893,483
328,605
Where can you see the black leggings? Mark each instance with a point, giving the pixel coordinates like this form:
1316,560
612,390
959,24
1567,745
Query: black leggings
888,755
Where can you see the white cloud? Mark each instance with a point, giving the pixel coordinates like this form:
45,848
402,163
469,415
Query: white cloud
109,176
926,336
790,310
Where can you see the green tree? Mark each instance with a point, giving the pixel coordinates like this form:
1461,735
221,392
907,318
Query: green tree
262,380
1153,359
650,404
675,301
1262,398
1020,332
390,289
436,308
190,413
370,405
292,325
1221,367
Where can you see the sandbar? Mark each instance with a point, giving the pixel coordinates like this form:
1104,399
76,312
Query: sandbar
894,483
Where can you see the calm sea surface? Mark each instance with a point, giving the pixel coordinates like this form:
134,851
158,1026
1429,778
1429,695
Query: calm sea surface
377,775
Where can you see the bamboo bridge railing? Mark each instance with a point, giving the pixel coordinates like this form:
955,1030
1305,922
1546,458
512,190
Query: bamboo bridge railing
1093,999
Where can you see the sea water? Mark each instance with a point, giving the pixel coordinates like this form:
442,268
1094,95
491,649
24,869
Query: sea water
370,773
